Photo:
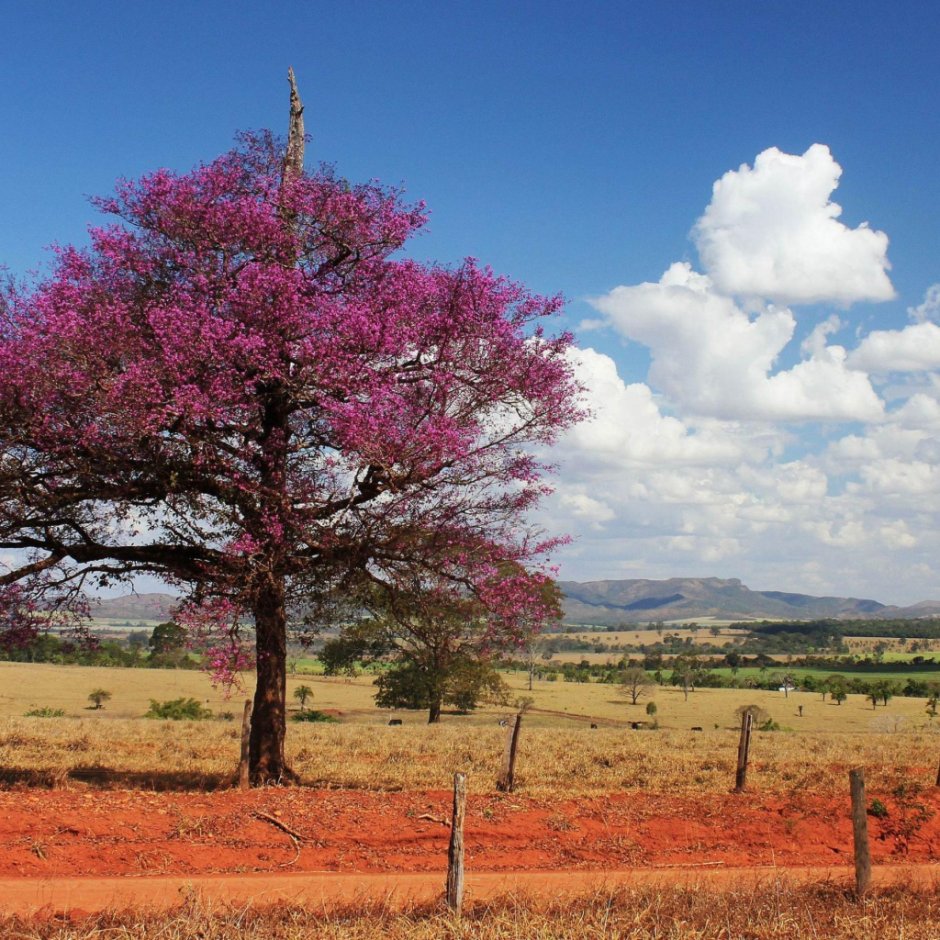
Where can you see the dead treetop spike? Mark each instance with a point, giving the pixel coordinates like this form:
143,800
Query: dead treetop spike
294,157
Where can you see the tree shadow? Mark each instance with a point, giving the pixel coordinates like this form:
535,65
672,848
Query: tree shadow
104,778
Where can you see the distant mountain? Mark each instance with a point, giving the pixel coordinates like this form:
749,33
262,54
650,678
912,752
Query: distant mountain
607,603
135,607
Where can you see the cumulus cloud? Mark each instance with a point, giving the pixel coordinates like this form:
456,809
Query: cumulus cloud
711,357
772,232
930,308
627,426
730,458
915,348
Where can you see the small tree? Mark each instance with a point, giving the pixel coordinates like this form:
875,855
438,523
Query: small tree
167,638
635,683
835,685
98,697
466,683
302,693
759,716
651,709
442,647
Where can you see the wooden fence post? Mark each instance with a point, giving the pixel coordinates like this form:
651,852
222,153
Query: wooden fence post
455,851
507,775
243,781
744,747
860,832
938,775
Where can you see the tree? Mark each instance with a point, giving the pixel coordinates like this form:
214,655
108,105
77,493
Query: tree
759,716
302,693
464,684
98,697
835,685
441,647
634,683
686,673
285,409
167,638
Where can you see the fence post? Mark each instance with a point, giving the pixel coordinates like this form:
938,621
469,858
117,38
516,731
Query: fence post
938,775
860,832
455,850
507,775
744,747
243,781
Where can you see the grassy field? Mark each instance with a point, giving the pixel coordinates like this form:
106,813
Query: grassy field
799,673
779,910
559,750
24,687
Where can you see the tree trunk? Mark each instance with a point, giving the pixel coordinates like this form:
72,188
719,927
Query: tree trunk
434,711
269,715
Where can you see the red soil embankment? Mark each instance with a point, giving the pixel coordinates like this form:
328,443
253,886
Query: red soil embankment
53,842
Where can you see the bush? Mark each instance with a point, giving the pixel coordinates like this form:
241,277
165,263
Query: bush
178,709
877,809
98,697
311,715
45,712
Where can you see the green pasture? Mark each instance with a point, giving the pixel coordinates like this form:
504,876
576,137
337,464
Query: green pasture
800,673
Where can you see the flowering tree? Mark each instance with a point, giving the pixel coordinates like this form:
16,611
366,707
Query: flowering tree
240,388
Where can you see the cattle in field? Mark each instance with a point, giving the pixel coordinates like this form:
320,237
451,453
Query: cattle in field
394,721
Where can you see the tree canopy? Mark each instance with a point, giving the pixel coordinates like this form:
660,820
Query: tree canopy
243,387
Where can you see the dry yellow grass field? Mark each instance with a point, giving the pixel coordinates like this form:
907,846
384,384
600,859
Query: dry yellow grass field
564,704
560,753
552,761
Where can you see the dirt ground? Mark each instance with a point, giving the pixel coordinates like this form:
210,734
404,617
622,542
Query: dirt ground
84,836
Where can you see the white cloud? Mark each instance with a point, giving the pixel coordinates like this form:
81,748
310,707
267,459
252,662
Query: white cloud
772,232
915,348
710,357
930,308
627,425
585,507
731,458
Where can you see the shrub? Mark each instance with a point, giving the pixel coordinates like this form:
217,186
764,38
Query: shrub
877,809
759,716
178,709
311,715
45,712
98,697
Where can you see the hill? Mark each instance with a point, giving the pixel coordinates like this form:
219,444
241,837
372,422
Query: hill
609,603
135,607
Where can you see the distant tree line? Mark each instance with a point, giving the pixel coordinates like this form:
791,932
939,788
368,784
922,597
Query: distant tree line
165,647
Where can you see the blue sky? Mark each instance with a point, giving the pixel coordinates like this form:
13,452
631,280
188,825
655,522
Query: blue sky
574,146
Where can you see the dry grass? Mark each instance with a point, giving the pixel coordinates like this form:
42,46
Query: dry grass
559,752
552,761
557,704
776,911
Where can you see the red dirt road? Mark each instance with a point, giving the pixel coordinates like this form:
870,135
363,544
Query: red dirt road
88,848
